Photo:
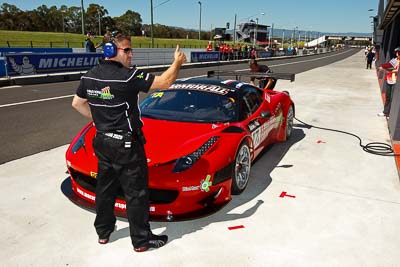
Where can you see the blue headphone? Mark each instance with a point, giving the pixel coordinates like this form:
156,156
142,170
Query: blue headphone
110,50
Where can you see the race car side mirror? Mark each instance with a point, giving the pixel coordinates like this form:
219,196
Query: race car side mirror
265,114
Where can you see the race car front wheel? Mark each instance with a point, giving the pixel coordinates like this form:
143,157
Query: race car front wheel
289,122
241,172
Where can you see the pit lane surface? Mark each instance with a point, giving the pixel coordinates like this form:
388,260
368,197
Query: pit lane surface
39,117
341,206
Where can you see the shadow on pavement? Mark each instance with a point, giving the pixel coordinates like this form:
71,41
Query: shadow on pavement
260,179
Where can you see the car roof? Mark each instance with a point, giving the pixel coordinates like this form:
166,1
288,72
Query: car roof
233,85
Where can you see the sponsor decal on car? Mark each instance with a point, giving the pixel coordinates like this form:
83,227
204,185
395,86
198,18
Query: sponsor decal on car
205,184
267,98
120,205
201,87
260,133
239,85
93,174
190,188
157,94
86,195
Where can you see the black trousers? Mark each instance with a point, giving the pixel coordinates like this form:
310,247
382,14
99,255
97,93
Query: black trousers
369,64
388,98
126,167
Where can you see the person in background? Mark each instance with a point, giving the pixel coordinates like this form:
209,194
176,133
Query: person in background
209,46
108,94
392,70
106,39
89,45
265,83
370,57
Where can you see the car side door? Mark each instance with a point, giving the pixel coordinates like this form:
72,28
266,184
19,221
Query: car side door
255,113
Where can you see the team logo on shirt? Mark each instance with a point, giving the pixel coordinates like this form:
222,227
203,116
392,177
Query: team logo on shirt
104,93
140,76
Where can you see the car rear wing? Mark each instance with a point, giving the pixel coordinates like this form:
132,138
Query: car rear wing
257,75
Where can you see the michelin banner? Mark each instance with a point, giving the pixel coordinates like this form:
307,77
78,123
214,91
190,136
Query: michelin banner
204,56
30,64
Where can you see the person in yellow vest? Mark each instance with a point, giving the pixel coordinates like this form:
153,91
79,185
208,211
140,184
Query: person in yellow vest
392,70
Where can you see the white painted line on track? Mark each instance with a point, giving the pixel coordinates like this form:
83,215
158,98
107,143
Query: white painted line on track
200,76
302,61
9,87
35,101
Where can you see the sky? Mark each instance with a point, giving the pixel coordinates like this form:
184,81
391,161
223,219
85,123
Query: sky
308,15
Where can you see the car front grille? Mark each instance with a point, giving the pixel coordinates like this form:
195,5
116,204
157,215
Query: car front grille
157,196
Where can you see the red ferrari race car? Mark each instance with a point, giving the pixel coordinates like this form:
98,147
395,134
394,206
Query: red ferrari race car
202,136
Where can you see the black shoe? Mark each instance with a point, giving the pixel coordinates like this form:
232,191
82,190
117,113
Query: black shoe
105,240
155,241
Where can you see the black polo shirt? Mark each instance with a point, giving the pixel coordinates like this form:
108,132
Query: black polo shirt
112,92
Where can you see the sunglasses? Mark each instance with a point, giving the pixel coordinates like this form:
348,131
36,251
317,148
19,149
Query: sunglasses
127,50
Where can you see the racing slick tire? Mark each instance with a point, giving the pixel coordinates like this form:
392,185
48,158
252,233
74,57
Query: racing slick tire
289,122
241,171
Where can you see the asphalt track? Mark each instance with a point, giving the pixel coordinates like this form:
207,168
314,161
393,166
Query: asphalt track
36,118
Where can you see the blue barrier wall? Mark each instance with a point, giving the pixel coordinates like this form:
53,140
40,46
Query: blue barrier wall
264,54
29,64
204,56
2,67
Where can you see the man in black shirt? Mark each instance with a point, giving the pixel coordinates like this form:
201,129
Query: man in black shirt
266,83
108,94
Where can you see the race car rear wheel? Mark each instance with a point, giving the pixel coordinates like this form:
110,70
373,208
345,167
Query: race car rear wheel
289,122
241,172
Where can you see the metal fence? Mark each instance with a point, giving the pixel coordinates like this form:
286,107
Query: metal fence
68,44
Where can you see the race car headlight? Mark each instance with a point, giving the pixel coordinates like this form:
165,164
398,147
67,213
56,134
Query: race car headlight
188,161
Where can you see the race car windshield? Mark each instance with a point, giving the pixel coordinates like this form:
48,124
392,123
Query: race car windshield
189,106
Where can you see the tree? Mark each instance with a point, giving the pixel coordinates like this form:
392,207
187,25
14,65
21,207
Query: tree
129,23
93,13
8,15
73,20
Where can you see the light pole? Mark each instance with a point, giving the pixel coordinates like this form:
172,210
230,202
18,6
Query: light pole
294,36
199,20
83,18
373,27
255,32
99,24
62,14
151,24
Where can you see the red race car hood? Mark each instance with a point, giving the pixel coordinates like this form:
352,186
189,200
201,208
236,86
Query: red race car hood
168,140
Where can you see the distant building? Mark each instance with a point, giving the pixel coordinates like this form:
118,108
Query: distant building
220,34
249,31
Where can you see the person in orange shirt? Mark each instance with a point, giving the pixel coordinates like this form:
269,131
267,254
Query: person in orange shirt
209,46
226,52
231,52
239,49
392,70
221,51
